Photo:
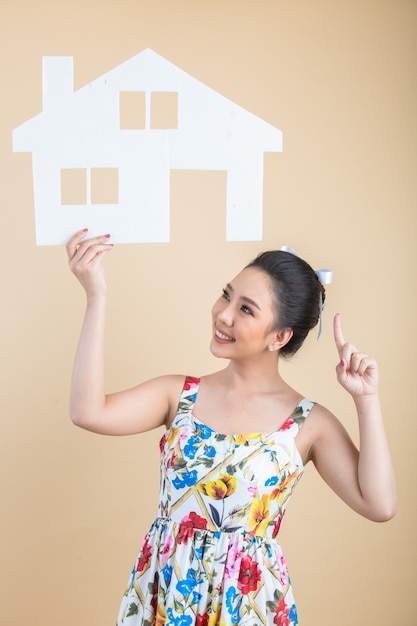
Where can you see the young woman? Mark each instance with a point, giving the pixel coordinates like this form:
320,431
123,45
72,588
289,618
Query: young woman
235,445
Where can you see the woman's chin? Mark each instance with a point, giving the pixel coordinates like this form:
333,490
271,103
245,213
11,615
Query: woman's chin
218,350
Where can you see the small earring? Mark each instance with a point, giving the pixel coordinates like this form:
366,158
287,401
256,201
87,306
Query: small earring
271,347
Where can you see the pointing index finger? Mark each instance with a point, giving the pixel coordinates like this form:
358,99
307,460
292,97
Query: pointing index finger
338,334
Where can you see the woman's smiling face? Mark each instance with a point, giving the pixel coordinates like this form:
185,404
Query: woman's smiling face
244,316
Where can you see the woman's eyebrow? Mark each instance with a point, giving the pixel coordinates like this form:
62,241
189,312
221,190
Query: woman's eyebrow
245,298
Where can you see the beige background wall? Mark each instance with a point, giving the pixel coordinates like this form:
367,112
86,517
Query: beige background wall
338,78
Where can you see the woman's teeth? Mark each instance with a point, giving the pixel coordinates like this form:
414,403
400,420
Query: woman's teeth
224,337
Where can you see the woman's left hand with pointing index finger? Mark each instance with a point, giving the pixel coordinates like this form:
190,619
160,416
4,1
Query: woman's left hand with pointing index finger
356,371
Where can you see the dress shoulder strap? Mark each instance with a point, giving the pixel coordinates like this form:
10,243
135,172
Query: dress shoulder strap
188,394
301,412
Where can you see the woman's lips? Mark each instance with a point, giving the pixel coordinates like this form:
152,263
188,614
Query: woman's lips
223,337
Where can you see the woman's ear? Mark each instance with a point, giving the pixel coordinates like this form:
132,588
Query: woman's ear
280,339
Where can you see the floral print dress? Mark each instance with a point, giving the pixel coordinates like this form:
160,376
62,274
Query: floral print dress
211,556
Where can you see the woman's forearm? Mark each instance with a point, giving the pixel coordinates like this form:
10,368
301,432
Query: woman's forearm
87,398
375,468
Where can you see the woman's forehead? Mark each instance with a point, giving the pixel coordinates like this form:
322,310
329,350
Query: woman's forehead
252,282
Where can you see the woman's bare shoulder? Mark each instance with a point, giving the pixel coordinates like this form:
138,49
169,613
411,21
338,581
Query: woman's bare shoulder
321,426
321,422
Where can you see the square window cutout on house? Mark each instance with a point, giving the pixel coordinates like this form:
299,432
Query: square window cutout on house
104,185
74,186
164,109
132,110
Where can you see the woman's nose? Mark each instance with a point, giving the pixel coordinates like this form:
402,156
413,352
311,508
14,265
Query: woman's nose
225,315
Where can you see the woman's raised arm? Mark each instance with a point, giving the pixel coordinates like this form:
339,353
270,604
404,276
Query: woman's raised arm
365,479
141,408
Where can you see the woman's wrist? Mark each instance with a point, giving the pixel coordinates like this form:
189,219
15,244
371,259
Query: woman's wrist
97,296
367,403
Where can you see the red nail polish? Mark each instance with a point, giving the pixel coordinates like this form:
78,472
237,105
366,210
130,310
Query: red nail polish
107,236
85,230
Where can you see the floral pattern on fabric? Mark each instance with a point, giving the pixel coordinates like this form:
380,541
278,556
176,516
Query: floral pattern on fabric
211,556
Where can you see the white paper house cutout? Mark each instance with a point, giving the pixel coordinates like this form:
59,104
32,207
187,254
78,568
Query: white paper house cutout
82,131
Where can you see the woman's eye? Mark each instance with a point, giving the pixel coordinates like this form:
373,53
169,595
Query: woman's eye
225,295
246,310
